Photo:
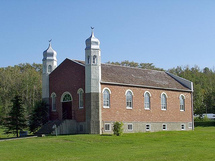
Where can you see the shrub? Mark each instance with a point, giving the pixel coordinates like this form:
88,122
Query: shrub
117,128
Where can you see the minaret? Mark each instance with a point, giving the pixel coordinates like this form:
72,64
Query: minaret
92,84
49,64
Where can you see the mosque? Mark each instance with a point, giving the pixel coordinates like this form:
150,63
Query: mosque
88,96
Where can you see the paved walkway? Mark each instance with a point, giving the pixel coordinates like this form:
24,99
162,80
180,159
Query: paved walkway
15,138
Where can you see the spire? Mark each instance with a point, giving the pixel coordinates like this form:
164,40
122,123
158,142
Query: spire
49,53
92,42
92,31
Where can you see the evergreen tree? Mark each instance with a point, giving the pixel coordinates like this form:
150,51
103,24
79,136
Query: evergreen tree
15,121
39,116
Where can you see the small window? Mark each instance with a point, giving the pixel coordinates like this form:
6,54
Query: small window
164,127
88,60
49,68
130,127
94,59
53,96
106,98
147,101
148,127
182,103
129,100
190,125
107,127
182,127
163,101
81,128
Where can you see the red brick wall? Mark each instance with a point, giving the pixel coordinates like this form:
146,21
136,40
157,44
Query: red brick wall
118,111
67,77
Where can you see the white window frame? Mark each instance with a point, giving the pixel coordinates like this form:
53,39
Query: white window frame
190,125
53,96
131,101
109,92
80,98
148,129
130,124
65,93
164,104
109,125
182,104
49,68
94,59
164,126
147,105
183,127
88,59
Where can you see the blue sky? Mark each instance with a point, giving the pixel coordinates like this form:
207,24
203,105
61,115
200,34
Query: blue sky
167,33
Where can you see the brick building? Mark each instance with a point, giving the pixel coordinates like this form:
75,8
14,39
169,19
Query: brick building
88,96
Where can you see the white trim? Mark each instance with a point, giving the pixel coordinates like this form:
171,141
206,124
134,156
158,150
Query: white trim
109,126
183,125
107,89
147,92
149,100
130,91
190,125
131,127
149,127
181,95
165,126
163,93
152,87
54,95
103,96
78,92
62,96
132,94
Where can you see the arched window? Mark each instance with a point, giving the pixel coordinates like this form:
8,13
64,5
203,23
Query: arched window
66,97
49,68
129,99
81,98
182,103
106,98
94,59
147,100
53,96
163,101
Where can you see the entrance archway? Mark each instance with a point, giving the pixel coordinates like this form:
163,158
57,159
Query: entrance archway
67,112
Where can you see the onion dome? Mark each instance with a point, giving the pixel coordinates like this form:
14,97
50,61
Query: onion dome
92,42
49,53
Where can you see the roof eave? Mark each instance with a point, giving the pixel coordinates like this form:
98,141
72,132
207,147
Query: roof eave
144,86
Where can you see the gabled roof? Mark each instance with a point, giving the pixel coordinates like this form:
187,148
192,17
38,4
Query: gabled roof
120,75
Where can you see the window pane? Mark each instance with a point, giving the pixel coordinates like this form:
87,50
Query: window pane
129,99
106,98
81,102
163,102
147,101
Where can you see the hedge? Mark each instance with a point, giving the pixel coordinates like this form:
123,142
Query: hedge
204,123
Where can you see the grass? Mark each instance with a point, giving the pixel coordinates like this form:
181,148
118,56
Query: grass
169,145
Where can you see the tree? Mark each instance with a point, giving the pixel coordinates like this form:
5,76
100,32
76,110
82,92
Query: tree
15,121
117,128
39,116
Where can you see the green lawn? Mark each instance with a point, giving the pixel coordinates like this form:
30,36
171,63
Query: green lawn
181,145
